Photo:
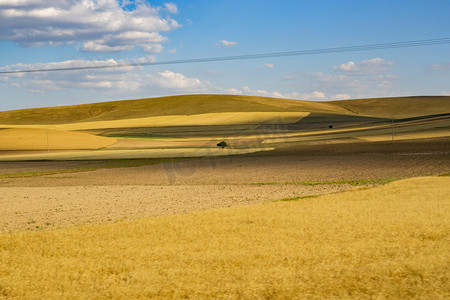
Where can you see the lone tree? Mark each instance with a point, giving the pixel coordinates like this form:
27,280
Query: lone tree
222,144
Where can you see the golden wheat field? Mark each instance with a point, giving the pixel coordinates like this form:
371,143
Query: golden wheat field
391,241
232,118
304,200
43,139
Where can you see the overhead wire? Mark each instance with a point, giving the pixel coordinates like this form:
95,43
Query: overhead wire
368,47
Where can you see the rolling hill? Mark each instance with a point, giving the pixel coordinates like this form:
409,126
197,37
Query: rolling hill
163,106
134,128
405,107
398,108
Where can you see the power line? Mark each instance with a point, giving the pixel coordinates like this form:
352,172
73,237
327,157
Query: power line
405,44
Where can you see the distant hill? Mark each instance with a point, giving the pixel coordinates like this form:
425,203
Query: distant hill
400,107
199,104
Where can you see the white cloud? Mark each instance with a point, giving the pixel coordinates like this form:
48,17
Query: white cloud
329,78
443,67
340,97
101,79
172,80
290,76
371,66
110,81
232,91
445,93
100,26
263,93
245,90
172,51
268,66
368,78
316,95
171,7
226,43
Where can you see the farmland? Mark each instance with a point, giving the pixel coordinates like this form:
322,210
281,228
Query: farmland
390,241
308,200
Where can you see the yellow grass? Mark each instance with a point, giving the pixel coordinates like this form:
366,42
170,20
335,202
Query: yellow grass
235,118
163,106
407,136
388,242
397,107
131,154
36,139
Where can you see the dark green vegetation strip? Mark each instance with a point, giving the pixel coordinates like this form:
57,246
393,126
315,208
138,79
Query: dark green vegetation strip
297,198
355,182
444,175
110,164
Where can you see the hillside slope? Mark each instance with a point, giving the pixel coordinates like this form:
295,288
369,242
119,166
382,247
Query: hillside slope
405,107
41,139
400,107
163,106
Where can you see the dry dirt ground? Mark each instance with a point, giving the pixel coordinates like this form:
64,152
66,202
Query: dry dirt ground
114,194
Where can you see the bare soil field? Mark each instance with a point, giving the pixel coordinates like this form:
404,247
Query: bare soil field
48,194
36,208
295,163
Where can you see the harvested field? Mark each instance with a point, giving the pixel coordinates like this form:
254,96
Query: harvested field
235,118
36,208
58,194
249,169
40,139
388,242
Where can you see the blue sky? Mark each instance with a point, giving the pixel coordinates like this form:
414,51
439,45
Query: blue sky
68,33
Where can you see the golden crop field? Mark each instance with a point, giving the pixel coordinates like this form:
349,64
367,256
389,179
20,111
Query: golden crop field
40,139
233,118
392,241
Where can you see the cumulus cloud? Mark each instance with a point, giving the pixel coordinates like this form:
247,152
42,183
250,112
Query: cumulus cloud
371,66
340,97
232,91
226,43
172,80
117,78
316,95
268,66
263,93
99,26
357,86
111,80
171,7
367,78
245,90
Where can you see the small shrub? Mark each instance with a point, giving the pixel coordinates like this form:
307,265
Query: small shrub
222,144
